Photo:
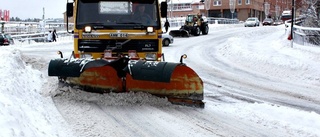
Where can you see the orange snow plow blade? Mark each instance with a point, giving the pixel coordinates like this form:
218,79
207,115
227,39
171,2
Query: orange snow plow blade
175,81
102,78
185,87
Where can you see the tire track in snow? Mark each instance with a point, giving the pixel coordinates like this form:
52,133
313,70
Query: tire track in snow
223,73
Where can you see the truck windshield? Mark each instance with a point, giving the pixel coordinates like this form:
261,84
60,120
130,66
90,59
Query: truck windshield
117,14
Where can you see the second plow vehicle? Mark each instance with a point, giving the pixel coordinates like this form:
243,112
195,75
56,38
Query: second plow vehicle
195,24
118,50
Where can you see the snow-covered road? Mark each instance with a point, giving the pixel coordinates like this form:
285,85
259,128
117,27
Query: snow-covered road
256,84
255,64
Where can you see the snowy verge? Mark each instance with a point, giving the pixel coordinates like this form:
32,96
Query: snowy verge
24,111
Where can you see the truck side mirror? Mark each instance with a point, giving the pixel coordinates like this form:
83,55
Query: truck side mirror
164,8
69,9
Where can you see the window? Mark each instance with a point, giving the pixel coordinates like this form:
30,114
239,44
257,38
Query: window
217,3
247,2
239,2
185,6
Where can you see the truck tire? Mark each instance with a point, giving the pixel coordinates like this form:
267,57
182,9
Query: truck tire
205,30
197,31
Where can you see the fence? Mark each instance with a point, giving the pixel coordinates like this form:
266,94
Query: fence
31,33
177,22
39,37
306,35
17,28
213,20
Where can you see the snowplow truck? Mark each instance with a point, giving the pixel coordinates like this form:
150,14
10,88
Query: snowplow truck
194,25
117,51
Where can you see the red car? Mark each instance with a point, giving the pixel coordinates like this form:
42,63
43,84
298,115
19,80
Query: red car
4,40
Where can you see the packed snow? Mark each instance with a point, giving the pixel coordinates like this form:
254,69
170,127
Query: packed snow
256,83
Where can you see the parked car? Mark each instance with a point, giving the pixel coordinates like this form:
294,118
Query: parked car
11,41
5,39
267,21
277,22
252,22
166,39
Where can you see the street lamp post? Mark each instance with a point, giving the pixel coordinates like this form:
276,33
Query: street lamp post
277,12
232,4
292,20
2,26
266,8
171,7
207,6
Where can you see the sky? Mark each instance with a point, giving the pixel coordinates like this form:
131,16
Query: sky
34,8
281,98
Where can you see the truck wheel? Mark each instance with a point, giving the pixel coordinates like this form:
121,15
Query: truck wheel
197,31
205,30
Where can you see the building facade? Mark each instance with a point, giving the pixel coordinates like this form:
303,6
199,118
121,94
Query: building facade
181,8
221,8
242,8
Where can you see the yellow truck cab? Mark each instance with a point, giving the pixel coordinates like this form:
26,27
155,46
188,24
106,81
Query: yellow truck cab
104,26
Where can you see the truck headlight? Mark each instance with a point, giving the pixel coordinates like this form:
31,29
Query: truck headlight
87,29
149,29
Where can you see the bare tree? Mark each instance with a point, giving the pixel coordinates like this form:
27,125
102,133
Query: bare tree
311,20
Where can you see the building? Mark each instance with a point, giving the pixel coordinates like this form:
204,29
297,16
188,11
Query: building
181,8
221,8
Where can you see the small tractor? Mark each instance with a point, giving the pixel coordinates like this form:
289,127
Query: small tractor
194,25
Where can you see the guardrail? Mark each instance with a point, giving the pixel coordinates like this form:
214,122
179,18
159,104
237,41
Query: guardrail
213,20
174,22
39,37
306,35
179,21
16,28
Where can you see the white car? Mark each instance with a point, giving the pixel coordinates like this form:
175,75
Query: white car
166,39
252,22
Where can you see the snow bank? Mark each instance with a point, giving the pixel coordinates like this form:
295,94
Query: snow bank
24,112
